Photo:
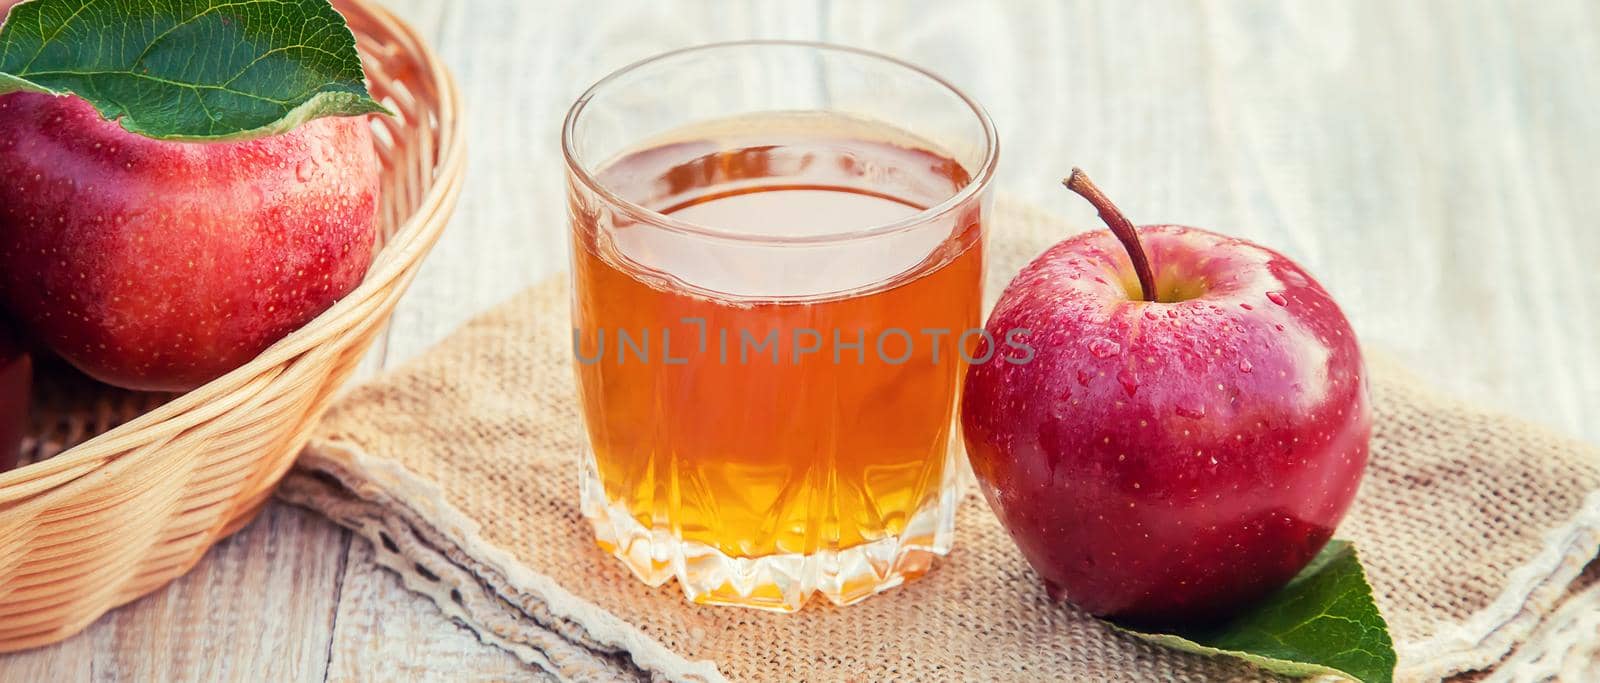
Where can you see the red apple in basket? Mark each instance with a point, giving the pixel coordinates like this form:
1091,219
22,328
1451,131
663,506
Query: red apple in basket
16,374
162,265
1173,457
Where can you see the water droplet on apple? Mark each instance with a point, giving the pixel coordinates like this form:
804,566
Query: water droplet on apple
1245,366
1083,377
305,170
1278,298
1247,307
1129,384
1104,348
1193,412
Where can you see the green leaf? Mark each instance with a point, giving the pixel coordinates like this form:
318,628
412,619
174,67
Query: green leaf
1324,622
198,70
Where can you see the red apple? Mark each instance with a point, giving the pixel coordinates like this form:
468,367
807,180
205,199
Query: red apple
16,374
1168,458
162,265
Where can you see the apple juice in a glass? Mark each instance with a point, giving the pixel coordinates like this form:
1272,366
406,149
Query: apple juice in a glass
776,290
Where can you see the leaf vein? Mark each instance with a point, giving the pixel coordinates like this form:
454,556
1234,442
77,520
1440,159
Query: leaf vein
199,15
175,84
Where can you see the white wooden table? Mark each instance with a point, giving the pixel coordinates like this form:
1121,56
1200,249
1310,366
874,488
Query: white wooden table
1436,164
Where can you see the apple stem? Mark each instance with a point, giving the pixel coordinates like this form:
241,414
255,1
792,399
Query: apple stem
1120,226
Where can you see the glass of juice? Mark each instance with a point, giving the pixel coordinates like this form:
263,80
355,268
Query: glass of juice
777,263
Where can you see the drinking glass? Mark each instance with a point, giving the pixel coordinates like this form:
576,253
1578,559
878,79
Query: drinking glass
777,263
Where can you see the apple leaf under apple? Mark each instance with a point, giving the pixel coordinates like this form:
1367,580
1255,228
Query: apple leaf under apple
1324,622
195,70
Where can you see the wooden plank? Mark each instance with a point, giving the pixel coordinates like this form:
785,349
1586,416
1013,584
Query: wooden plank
1431,162
258,607
384,632
72,660
521,65
510,229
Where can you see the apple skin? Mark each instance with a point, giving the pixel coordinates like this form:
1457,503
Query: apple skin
16,377
1162,463
158,265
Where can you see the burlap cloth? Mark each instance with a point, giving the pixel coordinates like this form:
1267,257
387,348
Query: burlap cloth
461,467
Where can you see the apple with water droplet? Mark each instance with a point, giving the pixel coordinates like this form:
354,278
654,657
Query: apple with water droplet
161,265
1193,425
16,376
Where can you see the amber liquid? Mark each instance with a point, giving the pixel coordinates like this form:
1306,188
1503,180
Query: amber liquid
732,449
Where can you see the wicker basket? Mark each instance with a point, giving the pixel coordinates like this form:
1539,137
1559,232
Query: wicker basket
143,485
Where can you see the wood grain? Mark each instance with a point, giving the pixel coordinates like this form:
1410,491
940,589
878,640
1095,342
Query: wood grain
1431,162
259,606
384,633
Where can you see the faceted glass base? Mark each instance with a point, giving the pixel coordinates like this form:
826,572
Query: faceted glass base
781,582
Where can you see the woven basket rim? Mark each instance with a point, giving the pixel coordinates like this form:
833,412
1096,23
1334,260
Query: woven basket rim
391,270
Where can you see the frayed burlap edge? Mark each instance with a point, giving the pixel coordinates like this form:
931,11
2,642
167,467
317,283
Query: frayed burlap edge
1531,592
1564,648
439,553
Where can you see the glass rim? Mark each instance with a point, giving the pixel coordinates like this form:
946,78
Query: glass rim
974,186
